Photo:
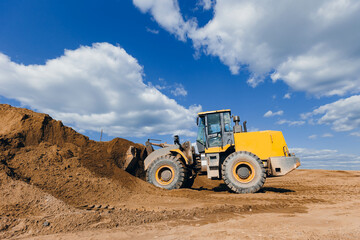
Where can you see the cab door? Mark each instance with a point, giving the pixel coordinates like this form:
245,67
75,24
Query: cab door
214,130
228,135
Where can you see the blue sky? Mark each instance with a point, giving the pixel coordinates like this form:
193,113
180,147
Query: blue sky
142,69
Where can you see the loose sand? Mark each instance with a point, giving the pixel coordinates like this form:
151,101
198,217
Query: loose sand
57,184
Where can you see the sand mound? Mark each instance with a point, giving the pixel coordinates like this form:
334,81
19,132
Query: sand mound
43,152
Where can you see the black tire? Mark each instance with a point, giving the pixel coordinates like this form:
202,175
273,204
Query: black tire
166,172
243,172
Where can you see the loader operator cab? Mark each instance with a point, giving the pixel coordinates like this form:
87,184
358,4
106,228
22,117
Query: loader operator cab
214,130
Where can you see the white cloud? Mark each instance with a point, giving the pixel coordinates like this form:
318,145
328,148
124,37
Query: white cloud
176,89
342,115
356,134
287,96
323,71
310,45
206,4
179,90
253,129
159,87
154,31
326,159
167,14
335,10
314,136
327,135
96,87
271,114
290,123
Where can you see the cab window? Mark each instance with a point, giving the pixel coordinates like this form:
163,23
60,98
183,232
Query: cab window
214,130
227,122
201,131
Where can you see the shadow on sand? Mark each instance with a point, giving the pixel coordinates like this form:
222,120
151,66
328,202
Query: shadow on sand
275,190
223,188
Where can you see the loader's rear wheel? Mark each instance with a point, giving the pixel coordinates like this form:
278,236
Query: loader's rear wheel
243,172
166,172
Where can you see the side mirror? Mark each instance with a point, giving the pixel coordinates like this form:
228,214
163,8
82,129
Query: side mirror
197,121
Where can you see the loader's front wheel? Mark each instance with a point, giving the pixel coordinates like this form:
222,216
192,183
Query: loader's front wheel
166,172
243,172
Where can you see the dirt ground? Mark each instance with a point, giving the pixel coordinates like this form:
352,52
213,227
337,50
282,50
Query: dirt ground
57,184
306,204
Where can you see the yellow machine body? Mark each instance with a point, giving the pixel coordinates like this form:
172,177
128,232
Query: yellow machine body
264,144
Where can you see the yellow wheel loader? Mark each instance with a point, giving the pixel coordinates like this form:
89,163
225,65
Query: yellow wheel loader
242,159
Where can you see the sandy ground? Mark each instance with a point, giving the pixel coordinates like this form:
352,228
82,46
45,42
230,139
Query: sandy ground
306,204
320,222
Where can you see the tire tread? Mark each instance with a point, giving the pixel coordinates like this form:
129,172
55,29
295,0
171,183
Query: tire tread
177,161
231,186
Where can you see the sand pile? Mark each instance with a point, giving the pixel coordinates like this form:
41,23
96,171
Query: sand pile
42,152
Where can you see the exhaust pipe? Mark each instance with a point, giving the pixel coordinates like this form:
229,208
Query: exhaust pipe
245,127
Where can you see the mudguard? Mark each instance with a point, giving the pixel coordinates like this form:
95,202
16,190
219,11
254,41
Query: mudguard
157,153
